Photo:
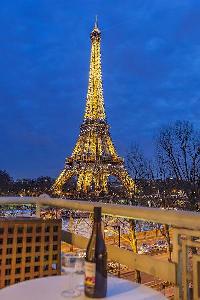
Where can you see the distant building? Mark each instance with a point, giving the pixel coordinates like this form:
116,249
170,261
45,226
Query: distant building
29,248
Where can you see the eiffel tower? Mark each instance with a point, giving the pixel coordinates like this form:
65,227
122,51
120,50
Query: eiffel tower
94,157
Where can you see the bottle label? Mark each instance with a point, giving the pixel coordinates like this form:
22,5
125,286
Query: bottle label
90,274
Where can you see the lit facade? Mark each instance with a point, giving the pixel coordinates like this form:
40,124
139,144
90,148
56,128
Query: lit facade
94,157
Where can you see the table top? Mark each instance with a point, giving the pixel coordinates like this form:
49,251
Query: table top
50,288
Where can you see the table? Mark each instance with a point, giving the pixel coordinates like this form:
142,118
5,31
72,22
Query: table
50,288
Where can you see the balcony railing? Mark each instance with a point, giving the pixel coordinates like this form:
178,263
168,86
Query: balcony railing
184,269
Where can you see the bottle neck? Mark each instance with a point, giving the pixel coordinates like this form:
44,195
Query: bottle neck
97,215
97,219
97,226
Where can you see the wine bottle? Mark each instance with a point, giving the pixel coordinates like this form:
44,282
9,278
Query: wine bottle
96,261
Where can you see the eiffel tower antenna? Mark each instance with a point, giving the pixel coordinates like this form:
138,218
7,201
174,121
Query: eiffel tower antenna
96,22
94,157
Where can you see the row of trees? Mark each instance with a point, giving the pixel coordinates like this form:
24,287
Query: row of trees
24,187
176,163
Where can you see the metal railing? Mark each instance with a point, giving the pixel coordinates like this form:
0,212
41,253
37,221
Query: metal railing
186,235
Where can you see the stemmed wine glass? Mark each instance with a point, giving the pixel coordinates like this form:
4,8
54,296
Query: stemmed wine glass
73,269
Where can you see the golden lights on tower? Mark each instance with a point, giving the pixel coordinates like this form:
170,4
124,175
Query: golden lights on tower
94,157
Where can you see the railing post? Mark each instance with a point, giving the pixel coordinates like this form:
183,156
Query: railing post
176,258
135,246
38,210
71,224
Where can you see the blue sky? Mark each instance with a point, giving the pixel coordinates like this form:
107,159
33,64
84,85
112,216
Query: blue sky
151,74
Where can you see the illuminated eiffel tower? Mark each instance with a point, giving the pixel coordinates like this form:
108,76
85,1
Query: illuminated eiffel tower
94,157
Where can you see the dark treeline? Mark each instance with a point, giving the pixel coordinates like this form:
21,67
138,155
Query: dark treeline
24,187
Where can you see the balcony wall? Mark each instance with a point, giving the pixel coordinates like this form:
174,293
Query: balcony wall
186,235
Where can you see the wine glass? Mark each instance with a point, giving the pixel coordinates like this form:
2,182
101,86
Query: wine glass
73,269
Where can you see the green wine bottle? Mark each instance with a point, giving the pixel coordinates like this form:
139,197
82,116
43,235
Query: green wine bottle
96,261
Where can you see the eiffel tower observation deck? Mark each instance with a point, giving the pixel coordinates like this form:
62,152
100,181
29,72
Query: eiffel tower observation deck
94,158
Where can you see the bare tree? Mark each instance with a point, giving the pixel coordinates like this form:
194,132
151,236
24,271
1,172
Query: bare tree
140,168
165,231
178,153
133,239
136,162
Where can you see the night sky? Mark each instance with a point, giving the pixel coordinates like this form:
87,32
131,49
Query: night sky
151,74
